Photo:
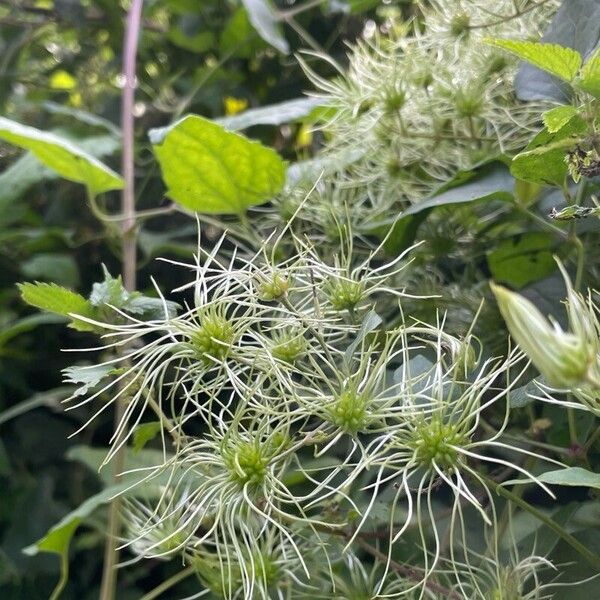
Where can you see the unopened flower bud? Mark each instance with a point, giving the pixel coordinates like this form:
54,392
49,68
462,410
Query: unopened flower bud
566,359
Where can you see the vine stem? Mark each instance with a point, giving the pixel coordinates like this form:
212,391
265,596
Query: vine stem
408,572
108,585
165,585
592,558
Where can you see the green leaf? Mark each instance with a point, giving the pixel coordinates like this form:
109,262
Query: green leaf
56,267
370,322
265,20
28,170
25,324
543,161
62,156
589,77
491,182
87,377
58,300
402,235
58,538
522,396
143,460
308,170
522,259
572,476
239,38
144,433
558,60
50,399
87,118
110,291
275,114
200,42
526,192
211,170
151,308
575,24
556,118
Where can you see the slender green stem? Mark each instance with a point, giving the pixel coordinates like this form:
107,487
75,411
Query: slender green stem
573,436
140,214
111,553
574,238
64,577
592,439
542,222
48,399
518,493
165,585
164,419
592,558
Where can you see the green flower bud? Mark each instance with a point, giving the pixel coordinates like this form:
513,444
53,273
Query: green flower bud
566,359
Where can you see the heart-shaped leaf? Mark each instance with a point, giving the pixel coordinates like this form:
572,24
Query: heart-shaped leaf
211,170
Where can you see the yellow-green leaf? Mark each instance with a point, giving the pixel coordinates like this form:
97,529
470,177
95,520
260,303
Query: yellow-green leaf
145,432
61,155
558,60
211,170
58,300
543,161
589,77
556,118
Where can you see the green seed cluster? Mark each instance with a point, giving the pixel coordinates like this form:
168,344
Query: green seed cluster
289,347
247,463
214,337
509,587
345,294
460,24
468,103
394,100
274,288
265,568
433,443
349,411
